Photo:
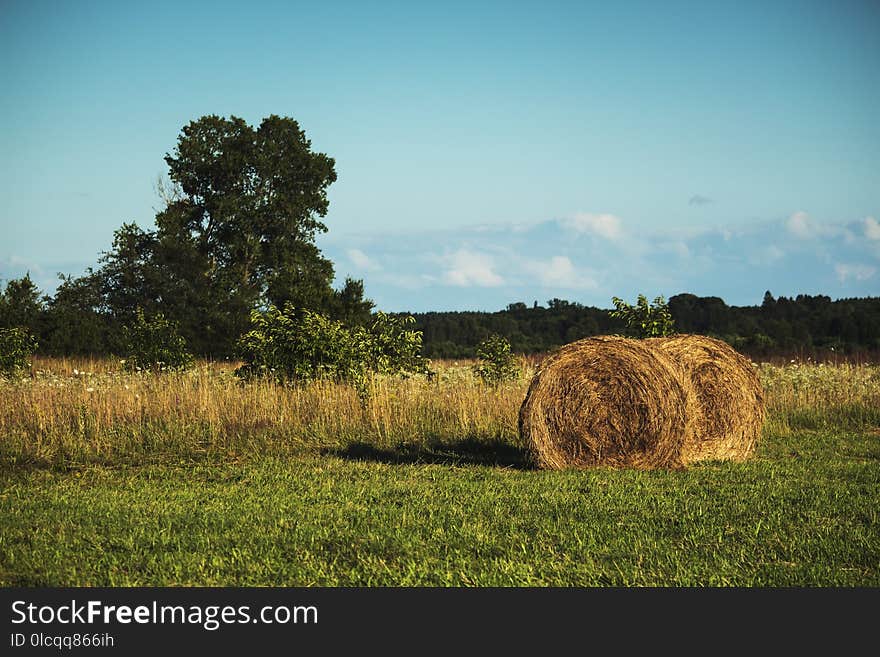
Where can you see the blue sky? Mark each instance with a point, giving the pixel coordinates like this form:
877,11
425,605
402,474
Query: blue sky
486,152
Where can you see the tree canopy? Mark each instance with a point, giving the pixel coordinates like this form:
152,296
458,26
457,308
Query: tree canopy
239,230
252,202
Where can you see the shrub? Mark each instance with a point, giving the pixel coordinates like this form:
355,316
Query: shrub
394,349
646,321
154,345
17,346
288,345
293,345
496,362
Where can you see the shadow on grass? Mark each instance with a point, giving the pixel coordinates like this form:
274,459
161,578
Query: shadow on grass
461,452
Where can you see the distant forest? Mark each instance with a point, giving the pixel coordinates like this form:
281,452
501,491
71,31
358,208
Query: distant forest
804,326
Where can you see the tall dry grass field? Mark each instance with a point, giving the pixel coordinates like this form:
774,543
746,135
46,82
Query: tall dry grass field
821,396
73,411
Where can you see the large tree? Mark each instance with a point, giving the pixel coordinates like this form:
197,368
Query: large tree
252,204
240,231
237,232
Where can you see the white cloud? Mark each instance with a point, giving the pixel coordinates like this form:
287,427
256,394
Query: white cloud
608,226
678,248
766,255
44,277
466,267
872,228
801,226
559,272
470,268
856,272
407,281
362,261
17,263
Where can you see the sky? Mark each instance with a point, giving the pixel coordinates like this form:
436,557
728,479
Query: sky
486,152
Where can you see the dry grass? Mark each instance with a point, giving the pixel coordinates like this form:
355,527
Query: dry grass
816,396
76,411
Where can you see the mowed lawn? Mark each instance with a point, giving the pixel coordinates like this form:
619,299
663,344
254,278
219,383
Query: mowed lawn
802,512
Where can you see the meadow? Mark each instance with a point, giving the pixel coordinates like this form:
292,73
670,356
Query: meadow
118,479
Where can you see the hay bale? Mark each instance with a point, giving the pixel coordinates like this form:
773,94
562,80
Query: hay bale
728,391
608,401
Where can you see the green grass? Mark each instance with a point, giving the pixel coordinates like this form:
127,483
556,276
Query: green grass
803,512
114,479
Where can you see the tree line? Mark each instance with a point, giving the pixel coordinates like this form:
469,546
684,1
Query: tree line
88,316
803,326
85,316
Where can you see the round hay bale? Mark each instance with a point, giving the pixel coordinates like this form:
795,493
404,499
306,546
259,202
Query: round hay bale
729,393
608,401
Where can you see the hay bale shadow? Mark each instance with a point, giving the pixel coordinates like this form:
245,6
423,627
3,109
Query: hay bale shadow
454,453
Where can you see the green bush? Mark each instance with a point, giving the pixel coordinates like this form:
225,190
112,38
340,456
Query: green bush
154,345
496,362
17,346
287,345
294,345
393,348
646,321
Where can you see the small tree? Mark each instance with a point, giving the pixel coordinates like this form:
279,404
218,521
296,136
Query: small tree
290,345
17,346
21,305
496,363
395,349
648,321
154,344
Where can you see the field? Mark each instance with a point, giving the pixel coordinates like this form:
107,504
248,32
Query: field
121,479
